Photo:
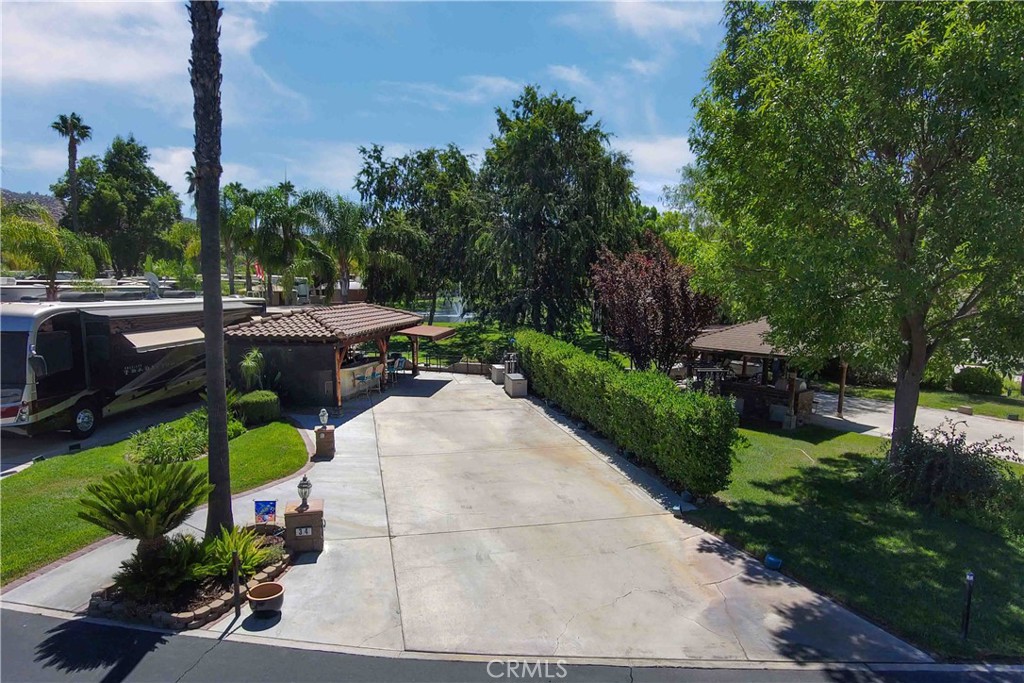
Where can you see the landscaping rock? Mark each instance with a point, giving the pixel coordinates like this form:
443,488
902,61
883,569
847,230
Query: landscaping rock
261,577
217,606
203,613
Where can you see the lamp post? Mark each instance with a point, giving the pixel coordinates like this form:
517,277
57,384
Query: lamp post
305,486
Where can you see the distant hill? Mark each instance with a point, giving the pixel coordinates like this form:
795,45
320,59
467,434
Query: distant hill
49,202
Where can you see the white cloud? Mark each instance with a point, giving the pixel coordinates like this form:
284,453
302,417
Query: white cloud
572,75
478,89
644,67
656,160
141,48
51,159
687,20
170,163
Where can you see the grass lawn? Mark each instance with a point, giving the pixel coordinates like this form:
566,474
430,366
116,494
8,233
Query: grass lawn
45,496
796,494
993,406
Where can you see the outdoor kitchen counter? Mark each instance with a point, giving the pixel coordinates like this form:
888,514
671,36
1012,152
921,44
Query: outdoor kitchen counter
349,384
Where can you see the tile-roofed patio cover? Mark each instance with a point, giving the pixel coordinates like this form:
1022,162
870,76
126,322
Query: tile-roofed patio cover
746,339
346,322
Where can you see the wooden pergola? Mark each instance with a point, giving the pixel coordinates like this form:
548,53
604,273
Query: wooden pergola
428,332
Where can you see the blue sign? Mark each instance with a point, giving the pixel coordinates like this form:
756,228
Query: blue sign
266,511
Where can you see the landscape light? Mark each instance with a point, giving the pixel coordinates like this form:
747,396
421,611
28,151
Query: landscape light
305,486
323,417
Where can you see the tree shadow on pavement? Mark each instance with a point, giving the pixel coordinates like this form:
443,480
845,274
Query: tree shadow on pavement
76,646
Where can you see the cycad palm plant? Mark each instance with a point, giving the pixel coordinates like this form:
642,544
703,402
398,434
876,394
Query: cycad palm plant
145,502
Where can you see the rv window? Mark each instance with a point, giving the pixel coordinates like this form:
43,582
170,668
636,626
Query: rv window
55,347
13,355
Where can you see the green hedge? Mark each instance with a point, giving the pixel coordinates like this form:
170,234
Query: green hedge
258,407
687,436
972,380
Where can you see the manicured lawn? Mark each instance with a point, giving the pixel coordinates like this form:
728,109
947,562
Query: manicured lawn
993,406
38,507
796,494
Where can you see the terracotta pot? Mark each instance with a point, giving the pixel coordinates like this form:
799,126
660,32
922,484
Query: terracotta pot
266,597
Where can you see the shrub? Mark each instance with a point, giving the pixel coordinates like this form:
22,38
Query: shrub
258,407
199,420
687,436
252,554
178,441
941,470
162,574
973,380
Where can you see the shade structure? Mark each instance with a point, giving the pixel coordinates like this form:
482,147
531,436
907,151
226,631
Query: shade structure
164,339
431,332
745,339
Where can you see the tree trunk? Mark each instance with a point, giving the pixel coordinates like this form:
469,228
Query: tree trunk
248,275
268,286
343,280
206,80
73,179
229,258
908,379
433,307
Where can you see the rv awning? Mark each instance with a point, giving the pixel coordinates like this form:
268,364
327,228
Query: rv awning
431,332
164,339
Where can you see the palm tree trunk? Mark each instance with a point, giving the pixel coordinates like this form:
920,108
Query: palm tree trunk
73,179
343,280
433,307
206,80
229,258
248,274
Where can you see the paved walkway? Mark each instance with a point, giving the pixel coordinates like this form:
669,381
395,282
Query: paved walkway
460,521
869,416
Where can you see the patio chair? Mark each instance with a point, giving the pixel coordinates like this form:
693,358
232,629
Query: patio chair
396,366
362,384
374,381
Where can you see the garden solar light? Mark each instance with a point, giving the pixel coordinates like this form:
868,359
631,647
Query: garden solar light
323,419
305,486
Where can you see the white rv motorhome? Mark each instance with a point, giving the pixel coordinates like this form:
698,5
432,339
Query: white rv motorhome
68,365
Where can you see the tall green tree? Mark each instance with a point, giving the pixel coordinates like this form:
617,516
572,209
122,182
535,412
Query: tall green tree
205,72
863,161
434,190
123,201
72,127
235,220
340,229
556,196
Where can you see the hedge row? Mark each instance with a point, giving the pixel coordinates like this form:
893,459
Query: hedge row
258,407
687,436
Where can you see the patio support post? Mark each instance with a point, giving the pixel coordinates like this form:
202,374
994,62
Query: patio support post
843,365
382,347
339,358
415,356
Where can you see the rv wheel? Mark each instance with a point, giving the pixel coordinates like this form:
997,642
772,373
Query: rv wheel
84,420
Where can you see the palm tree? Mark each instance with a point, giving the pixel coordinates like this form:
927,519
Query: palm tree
205,74
339,228
72,128
235,219
31,237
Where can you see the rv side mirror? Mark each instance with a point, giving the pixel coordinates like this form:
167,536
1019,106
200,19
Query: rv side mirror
38,365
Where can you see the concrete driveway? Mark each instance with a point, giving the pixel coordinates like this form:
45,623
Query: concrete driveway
462,522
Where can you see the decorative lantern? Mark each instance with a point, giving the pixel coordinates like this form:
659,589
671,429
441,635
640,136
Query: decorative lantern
323,417
305,486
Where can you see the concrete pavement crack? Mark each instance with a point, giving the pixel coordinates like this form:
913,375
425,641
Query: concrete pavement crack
558,640
731,576
732,627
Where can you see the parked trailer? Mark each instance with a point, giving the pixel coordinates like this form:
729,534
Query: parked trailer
70,364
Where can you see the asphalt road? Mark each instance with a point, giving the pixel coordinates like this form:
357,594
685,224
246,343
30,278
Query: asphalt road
42,648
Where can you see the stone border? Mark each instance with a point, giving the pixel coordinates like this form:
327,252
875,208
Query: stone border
100,605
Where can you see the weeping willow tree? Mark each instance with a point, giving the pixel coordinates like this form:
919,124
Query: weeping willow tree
32,240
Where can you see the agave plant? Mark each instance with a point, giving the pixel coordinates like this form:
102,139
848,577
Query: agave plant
145,502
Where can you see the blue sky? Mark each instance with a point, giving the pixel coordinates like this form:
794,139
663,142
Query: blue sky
305,84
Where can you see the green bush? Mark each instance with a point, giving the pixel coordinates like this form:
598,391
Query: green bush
178,441
971,481
258,407
160,575
687,436
972,380
253,555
